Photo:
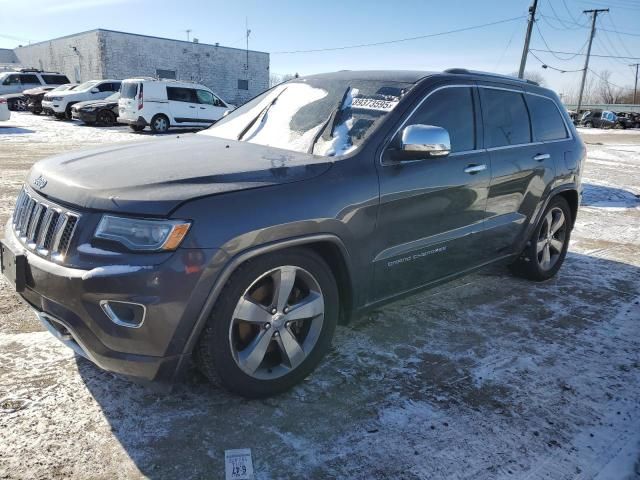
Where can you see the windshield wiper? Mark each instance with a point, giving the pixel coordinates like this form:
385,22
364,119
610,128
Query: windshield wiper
331,120
257,117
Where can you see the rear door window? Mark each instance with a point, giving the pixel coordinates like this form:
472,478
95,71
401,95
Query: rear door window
505,117
452,109
128,90
29,80
547,121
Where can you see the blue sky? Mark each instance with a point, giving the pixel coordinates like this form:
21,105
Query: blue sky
279,26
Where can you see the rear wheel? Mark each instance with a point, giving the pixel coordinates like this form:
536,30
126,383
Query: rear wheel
159,124
546,249
59,116
588,125
106,117
272,324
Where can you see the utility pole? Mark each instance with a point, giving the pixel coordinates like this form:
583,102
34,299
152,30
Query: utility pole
188,32
527,38
248,32
594,13
635,86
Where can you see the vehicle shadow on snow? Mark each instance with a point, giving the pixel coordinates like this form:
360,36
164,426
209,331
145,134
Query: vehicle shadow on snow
444,358
9,130
603,196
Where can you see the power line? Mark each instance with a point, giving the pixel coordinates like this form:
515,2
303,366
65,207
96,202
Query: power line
408,39
606,81
546,65
582,54
615,29
633,34
555,14
552,51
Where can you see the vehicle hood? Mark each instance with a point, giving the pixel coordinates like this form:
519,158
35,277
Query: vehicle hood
153,177
37,91
94,104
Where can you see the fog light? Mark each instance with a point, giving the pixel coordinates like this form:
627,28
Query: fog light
126,314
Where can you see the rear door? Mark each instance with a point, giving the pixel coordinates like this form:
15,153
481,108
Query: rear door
29,80
128,102
183,105
431,208
521,168
210,107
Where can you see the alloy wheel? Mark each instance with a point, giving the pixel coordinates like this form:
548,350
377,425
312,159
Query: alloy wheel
277,322
160,124
551,238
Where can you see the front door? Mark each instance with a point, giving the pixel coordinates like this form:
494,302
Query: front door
430,208
210,108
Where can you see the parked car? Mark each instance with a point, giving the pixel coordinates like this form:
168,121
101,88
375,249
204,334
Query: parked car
35,96
13,83
60,103
164,104
318,200
5,114
101,112
628,119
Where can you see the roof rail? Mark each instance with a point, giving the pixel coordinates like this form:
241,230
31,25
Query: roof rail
464,71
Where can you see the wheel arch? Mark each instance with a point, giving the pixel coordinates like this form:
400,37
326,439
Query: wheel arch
573,199
328,246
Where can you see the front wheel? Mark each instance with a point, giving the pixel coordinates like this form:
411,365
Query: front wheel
106,118
17,104
136,128
272,324
547,248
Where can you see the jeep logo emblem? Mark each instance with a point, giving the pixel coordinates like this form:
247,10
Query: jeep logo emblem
40,182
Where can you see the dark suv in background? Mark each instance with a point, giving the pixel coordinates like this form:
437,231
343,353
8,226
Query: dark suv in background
242,246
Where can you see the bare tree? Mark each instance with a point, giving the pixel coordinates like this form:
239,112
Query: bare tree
607,92
277,78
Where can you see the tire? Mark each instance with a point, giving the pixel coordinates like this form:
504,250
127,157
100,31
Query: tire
136,128
272,368
67,112
106,118
543,245
588,125
159,123
17,104
60,116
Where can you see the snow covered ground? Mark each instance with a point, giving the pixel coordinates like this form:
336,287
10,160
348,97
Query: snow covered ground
488,377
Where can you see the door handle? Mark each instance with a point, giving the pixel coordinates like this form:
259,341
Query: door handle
473,168
541,156
191,106
201,108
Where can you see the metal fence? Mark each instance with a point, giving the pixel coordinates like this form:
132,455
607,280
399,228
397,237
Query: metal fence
616,107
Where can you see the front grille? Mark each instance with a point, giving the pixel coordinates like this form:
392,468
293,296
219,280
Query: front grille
43,227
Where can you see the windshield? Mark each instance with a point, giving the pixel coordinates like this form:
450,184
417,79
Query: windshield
86,85
317,115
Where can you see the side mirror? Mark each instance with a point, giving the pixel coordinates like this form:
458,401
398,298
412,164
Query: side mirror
94,90
425,141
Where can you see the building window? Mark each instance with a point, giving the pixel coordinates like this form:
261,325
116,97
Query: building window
243,84
169,74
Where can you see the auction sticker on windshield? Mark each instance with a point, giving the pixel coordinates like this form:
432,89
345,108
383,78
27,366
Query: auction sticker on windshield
374,104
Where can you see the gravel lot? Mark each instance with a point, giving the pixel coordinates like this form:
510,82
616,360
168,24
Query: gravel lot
488,377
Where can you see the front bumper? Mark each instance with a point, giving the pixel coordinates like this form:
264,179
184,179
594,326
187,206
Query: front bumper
53,107
83,116
68,302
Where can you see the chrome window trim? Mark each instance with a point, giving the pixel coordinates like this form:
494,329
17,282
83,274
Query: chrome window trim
490,149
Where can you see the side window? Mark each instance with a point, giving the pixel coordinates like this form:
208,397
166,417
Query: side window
205,97
452,109
104,87
178,94
546,119
115,86
12,80
29,80
505,117
55,79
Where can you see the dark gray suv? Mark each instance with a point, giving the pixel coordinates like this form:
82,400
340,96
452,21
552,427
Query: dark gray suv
242,246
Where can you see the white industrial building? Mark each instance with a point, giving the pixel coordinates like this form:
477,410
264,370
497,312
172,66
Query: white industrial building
235,74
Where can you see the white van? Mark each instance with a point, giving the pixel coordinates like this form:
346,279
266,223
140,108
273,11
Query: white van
162,104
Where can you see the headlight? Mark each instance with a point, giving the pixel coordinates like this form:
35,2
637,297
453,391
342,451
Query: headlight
56,99
149,235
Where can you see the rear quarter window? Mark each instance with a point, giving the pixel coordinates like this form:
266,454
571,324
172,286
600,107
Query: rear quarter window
505,118
55,79
547,121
